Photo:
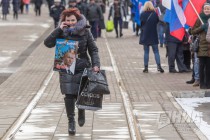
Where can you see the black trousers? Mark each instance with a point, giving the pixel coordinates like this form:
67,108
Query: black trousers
187,58
70,96
204,72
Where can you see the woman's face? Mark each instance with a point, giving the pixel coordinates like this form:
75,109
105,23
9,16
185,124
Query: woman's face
206,10
71,21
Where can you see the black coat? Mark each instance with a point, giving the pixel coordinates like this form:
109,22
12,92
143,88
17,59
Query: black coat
16,5
149,21
70,83
5,6
38,3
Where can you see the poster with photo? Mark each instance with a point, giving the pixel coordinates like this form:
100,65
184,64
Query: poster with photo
65,55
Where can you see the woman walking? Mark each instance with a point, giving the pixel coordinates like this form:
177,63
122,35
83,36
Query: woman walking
117,12
38,4
149,36
5,8
73,27
16,7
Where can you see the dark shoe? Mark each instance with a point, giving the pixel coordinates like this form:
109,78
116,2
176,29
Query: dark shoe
72,129
191,81
116,36
121,35
172,71
70,107
184,71
145,70
81,117
160,69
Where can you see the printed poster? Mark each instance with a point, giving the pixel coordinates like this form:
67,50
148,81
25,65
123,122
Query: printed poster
65,55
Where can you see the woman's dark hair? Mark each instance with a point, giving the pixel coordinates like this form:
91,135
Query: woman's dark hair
69,12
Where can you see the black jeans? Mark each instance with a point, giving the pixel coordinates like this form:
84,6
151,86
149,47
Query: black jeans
116,21
204,72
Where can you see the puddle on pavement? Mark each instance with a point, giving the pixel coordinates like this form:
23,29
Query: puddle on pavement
198,110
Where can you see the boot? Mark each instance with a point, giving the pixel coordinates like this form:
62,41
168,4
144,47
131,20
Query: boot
196,83
145,69
81,117
70,107
116,31
159,68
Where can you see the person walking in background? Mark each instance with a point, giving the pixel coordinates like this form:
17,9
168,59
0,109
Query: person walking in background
50,4
94,15
56,11
117,12
149,36
5,8
38,4
161,25
27,2
72,3
101,24
16,7
22,6
73,25
82,6
204,48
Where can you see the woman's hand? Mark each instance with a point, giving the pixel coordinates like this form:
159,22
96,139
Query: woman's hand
96,69
63,25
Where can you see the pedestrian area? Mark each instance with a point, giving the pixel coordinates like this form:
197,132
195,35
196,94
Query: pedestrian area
156,114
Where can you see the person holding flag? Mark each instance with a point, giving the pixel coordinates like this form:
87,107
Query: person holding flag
204,49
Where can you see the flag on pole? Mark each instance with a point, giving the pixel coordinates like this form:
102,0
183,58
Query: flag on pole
189,12
176,19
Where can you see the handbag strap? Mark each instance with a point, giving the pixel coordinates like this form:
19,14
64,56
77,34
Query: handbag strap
148,18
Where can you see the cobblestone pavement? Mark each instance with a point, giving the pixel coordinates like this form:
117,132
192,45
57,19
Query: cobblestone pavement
150,94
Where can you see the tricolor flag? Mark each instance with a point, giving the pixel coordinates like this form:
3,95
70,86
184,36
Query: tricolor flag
189,11
176,19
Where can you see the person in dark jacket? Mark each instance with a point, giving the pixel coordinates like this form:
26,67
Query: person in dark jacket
16,7
74,26
94,15
38,4
175,52
149,36
5,8
56,11
50,3
204,49
117,12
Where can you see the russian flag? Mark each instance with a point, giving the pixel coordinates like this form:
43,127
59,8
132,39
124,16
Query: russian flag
189,12
176,19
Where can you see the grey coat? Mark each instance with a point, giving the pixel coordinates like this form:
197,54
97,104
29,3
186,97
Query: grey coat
112,11
69,84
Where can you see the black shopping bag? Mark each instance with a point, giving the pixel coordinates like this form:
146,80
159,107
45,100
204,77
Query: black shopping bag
88,100
125,24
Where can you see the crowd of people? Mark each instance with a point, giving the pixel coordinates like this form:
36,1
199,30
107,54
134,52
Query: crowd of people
19,6
154,30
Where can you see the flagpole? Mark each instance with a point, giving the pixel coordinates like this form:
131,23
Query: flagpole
196,11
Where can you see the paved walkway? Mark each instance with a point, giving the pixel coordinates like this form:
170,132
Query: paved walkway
150,94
